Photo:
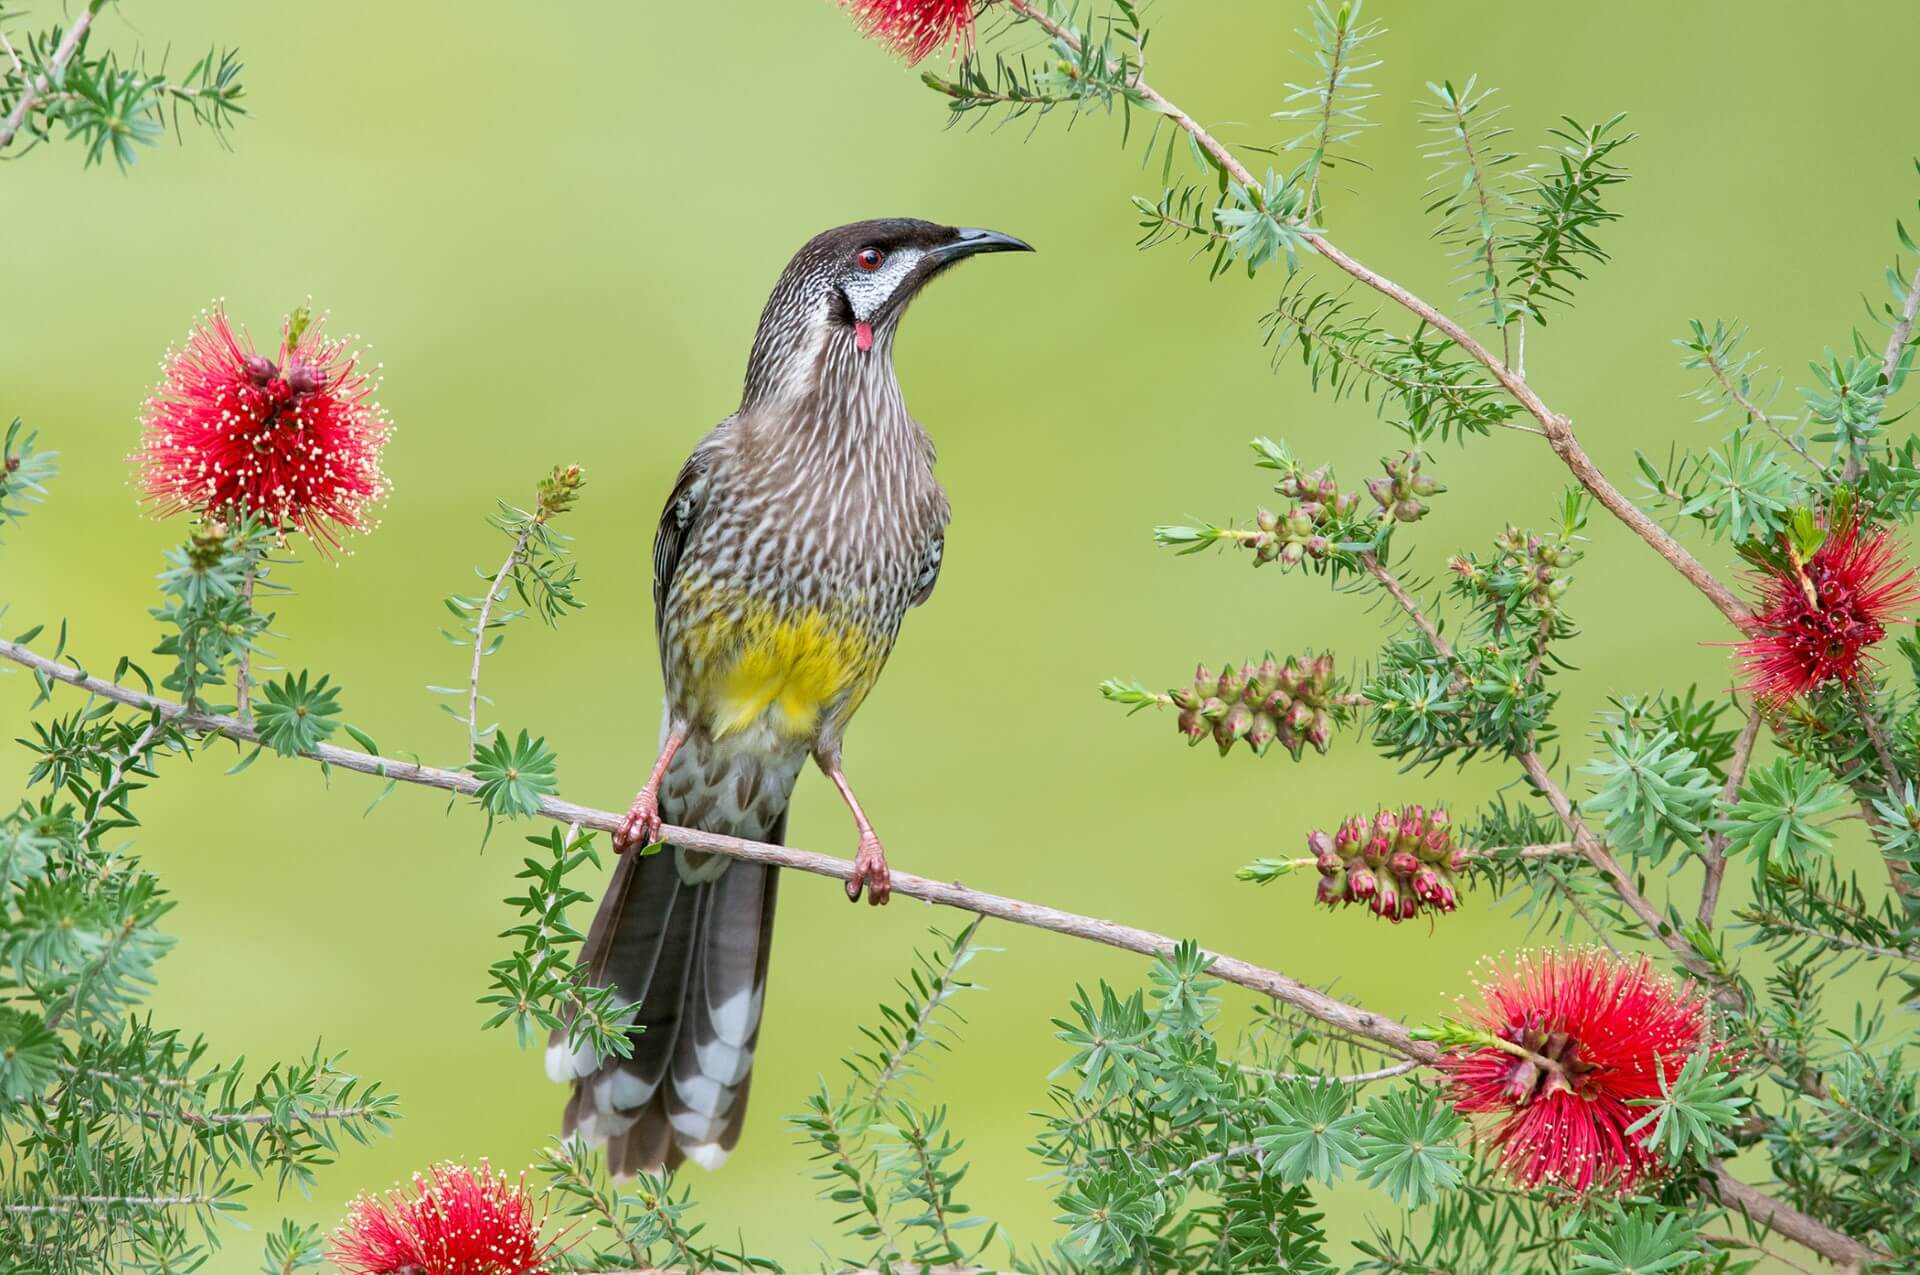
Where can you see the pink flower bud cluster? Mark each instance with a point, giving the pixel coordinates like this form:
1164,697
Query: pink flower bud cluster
1398,863
1399,493
1308,528
1292,703
1526,568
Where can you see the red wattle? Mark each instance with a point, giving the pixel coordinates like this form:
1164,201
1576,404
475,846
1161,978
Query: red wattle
863,336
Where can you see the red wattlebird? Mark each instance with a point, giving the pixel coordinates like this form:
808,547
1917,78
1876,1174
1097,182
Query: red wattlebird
793,542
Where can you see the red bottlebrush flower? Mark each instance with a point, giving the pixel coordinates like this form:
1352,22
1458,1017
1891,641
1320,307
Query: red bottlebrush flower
459,1221
294,439
916,28
1597,1032
1819,617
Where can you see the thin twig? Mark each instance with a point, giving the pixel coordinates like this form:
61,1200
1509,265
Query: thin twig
1557,428
1355,1078
1754,413
1593,848
243,664
480,638
1716,856
63,1204
32,86
118,772
1281,987
1890,360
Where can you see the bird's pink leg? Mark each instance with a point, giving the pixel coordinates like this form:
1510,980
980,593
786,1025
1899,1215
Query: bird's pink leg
641,827
870,861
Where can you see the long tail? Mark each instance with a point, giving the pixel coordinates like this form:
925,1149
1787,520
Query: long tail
687,936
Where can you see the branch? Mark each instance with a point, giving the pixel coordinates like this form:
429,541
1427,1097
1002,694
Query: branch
1717,841
1311,1001
1889,360
1591,847
1557,428
1342,1017
32,87
1763,1210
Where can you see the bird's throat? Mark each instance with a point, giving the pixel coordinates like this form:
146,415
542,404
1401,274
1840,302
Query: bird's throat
863,336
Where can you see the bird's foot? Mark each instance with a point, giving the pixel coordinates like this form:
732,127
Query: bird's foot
641,827
870,871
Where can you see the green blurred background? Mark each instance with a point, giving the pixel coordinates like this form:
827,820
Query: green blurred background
556,225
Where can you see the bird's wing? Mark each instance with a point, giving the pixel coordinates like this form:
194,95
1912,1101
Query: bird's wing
929,569
685,503
938,513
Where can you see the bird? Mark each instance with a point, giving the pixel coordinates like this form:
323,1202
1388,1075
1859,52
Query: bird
793,542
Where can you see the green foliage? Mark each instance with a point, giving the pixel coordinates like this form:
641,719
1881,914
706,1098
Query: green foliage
1778,817
514,775
1688,1122
539,571
1332,105
24,472
644,1223
209,585
891,1164
294,717
539,987
1471,194
1408,1146
1433,389
1640,1241
1313,1134
109,103
1551,246
1652,791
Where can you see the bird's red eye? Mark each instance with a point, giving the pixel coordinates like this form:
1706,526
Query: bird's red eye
869,258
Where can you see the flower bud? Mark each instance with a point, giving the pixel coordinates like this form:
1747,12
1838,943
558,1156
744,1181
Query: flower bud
302,379
1409,510
1320,734
1360,882
1266,520
1299,522
260,368
1381,490
1232,682
1351,835
1193,725
1387,824
1213,708
1318,546
1262,732
1232,726
1386,900
1377,849
1424,486
1292,553
1402,864
1328,892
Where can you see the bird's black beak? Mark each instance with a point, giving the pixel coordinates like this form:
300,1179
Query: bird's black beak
968,240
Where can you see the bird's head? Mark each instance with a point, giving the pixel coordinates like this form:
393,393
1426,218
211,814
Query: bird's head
840,299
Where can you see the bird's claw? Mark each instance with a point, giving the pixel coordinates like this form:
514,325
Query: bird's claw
642,825
870,871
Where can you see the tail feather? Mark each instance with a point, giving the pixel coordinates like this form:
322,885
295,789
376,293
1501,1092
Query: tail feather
688,939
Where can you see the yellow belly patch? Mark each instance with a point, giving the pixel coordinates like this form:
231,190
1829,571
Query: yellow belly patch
788,668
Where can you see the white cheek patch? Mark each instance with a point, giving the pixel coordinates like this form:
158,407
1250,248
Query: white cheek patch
868,290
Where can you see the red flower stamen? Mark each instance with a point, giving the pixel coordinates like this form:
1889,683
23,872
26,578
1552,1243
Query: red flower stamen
1590,1034
916,28
459,1221
294,439
1819,617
